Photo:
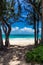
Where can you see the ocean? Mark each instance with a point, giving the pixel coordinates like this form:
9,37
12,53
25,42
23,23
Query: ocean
21,36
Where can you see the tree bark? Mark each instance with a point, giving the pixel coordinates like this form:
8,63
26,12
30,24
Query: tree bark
7,31
37,28
35,34
7,36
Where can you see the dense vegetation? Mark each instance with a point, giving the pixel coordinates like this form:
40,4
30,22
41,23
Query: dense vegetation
36,55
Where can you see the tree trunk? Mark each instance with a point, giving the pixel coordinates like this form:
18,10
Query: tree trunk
7,30
35,31
7,37
35,34
42,25
37,28
7,41
7,34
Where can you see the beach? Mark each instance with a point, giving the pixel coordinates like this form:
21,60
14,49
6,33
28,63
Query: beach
21,41
16,53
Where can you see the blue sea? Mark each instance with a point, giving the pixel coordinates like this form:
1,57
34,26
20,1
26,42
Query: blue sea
21,36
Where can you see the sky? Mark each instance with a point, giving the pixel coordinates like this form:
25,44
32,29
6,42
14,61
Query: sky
21,26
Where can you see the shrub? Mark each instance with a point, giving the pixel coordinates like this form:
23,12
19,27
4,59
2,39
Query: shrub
36,55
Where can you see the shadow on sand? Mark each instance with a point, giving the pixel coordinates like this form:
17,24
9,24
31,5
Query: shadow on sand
15,55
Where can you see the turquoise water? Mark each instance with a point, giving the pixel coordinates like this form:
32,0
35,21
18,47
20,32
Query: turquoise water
21,36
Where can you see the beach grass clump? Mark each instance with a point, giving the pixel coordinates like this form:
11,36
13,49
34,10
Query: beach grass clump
36,55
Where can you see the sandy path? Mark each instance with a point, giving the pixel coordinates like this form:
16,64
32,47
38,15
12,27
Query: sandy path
16,53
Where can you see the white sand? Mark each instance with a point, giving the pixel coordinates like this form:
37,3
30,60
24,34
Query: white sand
21,41
15,56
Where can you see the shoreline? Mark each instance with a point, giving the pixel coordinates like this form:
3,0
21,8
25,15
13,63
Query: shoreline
21,41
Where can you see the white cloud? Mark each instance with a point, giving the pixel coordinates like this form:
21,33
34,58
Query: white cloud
24,30
27,29
16,28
